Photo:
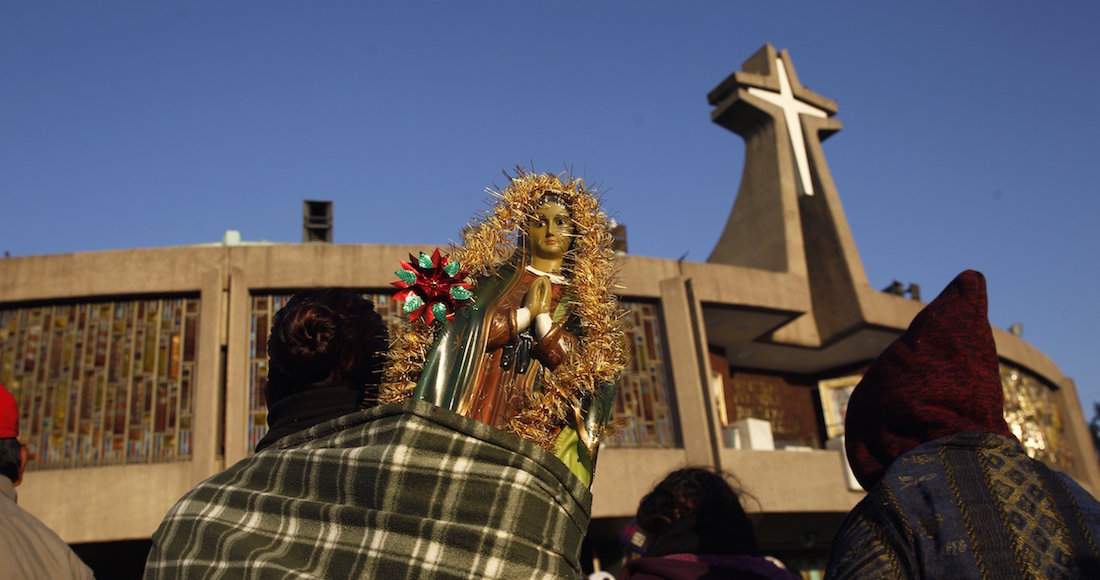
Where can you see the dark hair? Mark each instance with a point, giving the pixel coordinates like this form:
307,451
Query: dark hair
325,338
695,510
10,459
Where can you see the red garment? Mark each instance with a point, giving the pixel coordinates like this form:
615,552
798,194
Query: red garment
939,378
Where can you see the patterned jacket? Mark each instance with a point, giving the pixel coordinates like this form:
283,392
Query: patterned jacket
400,491
972,505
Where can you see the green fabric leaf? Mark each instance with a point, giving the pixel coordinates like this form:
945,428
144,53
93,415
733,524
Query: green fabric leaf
460,293
425,261
413,303
440,311
406,276
451,268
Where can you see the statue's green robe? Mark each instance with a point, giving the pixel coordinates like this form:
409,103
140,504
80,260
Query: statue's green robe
456,373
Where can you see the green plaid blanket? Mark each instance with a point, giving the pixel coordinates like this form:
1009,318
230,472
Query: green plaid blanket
401,491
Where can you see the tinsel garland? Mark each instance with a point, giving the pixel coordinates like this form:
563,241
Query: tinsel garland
488,244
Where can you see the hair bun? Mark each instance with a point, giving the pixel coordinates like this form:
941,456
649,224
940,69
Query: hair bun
325,337
314,338
309,340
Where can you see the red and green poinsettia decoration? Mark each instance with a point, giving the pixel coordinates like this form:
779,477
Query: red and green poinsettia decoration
432,286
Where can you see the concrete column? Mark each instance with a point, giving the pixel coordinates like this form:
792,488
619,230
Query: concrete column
690,369
236,368
206,416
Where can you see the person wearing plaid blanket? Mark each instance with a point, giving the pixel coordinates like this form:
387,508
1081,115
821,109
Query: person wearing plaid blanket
405,490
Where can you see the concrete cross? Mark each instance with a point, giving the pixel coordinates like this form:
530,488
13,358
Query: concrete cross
792,107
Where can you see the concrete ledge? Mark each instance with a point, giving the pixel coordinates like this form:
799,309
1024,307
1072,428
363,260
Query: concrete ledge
640,276
725,284
292,266
98,504
792,481
122,272
623,476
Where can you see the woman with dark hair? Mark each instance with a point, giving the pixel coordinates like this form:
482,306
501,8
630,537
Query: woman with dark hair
325,357
695,527
263,516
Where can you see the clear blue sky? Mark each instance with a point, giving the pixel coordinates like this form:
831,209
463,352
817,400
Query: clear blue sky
968,140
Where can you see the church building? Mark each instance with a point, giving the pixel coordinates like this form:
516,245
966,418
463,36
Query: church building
139,372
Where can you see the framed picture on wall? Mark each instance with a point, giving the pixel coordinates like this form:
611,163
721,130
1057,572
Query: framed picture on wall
834,402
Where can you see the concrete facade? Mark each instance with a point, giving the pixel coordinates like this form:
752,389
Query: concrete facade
128,501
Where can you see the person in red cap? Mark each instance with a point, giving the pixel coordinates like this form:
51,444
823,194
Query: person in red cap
28,549
951,492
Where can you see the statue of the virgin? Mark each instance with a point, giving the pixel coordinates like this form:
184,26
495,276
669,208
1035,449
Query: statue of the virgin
538,349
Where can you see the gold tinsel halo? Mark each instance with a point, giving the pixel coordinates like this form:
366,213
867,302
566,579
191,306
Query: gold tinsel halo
489,243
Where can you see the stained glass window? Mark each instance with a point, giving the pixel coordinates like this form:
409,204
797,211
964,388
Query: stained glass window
1032,414
643,413
102,383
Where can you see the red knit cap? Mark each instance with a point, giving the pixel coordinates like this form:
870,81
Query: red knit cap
939,378
9,415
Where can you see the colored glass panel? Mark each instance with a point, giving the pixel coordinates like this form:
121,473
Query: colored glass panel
100,383
1032,414
642,415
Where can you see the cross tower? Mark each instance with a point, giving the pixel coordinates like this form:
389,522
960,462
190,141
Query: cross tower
787,216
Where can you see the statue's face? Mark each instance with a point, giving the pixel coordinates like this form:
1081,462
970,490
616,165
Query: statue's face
550,231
